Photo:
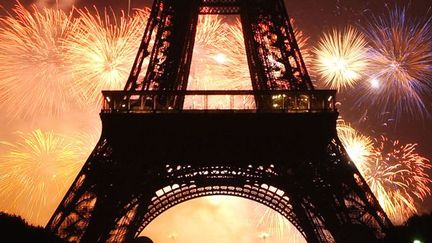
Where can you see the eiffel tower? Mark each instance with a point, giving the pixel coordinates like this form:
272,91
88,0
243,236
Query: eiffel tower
154,152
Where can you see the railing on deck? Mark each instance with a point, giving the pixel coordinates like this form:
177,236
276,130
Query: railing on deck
220,100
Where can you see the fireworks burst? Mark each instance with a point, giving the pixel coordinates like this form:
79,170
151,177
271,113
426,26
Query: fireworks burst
237,53
219,63
401,61
211,31
274,224
208,57
341,58
44,52
358,146
101,53
398,176
303,43
36,171
32,74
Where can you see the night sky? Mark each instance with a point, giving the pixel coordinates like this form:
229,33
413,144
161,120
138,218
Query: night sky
314,17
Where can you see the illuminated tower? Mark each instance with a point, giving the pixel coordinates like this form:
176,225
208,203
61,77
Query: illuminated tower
154,152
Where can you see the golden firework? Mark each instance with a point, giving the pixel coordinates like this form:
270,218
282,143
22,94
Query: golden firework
101,53
35,173
341,58
276,225
358,146
398,176
33,78
396,173
219,63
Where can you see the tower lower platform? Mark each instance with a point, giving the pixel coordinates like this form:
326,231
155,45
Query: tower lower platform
147,162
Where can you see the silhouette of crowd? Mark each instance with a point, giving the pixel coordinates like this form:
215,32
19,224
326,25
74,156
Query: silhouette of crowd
15,229
416,228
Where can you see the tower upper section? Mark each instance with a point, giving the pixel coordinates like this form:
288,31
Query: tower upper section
274,58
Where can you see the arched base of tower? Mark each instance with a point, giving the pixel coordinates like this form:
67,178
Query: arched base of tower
147,163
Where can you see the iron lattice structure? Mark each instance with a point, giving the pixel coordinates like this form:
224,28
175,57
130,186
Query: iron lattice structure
155,153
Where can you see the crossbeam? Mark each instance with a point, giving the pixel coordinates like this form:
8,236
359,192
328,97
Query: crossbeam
225,7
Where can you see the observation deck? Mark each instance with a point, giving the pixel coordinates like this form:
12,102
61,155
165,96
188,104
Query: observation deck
220,125
240,101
